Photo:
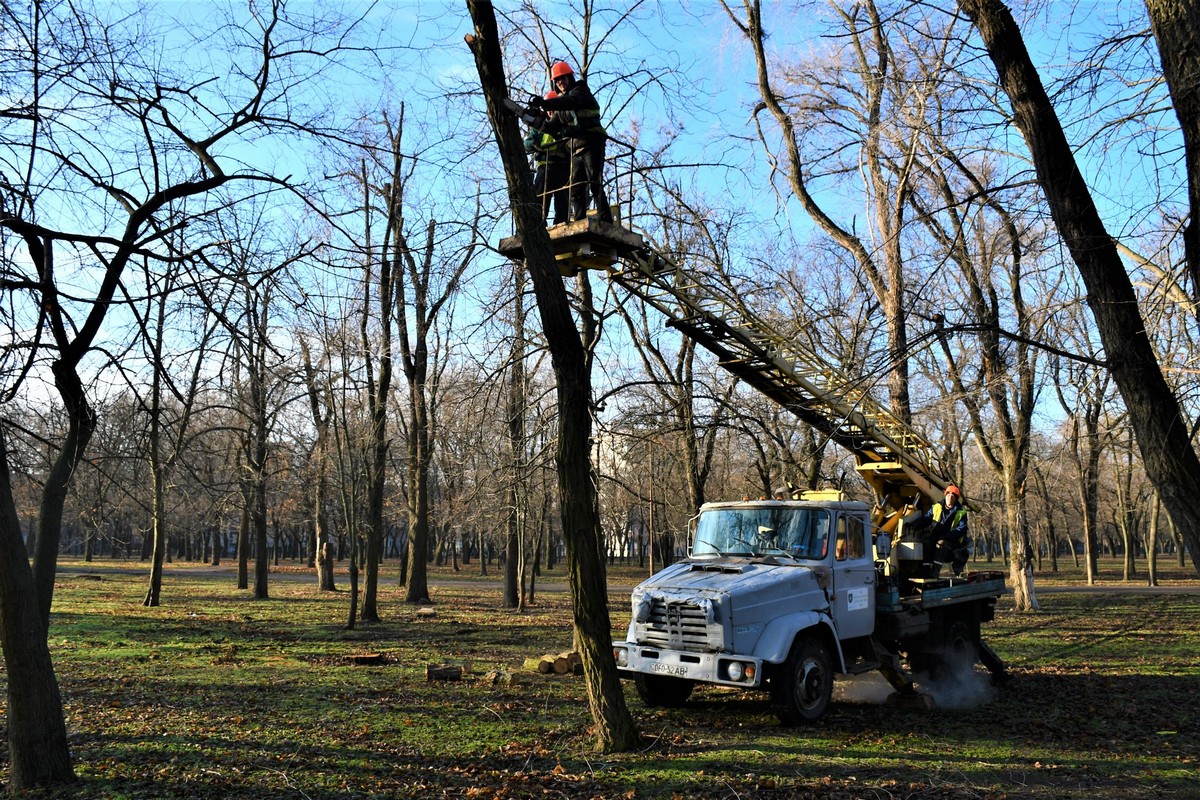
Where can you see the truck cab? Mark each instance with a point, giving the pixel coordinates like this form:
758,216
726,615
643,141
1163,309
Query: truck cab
758,574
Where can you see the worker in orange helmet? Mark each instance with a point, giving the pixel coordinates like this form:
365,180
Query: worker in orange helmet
579,120
947,539
550,166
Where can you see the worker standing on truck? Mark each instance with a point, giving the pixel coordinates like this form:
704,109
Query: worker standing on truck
586,139
550,163
947,536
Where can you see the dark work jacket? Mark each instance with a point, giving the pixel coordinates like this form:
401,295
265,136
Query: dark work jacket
581,120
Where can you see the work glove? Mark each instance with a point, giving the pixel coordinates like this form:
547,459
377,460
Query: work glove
536,102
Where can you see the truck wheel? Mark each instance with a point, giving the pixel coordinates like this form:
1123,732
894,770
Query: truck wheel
960,651
661,691
801,693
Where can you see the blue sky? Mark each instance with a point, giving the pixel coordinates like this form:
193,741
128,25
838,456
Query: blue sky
417,56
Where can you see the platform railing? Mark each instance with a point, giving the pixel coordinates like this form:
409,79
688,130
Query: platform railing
618,181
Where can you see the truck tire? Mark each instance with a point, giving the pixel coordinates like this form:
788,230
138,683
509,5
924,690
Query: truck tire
802,690
662,691
960,651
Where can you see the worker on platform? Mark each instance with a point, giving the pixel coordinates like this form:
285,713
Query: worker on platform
579,121
947,538
550,166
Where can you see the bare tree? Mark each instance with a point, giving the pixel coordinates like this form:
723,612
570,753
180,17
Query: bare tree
876,109
320,406
169,431
425,296
615,729
148,141
1154,411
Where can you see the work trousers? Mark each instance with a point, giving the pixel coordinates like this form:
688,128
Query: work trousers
550,183
587,177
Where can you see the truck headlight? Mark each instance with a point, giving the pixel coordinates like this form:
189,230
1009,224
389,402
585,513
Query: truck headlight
738,671
621,655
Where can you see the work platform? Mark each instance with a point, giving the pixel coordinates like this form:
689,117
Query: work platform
583,244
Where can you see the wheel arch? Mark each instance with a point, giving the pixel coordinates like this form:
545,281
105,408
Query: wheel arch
777,640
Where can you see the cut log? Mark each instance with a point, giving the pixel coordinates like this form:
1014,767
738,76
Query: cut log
542,664
567,662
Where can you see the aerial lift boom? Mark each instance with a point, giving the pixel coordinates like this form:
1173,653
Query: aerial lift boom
899,464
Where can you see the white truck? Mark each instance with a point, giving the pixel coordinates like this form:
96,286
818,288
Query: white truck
783,595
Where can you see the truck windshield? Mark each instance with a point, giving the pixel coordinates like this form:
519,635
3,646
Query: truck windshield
797,532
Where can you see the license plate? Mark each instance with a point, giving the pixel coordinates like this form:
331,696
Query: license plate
678,670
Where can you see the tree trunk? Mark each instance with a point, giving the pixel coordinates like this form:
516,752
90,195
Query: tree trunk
614,726
352,616
418,481
1152,545
38,754
243,539
1171,463
158,534
325,569
515,411
1020,565
1176,26
81,421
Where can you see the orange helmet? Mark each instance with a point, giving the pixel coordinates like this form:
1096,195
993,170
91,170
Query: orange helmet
560,69
954,490
551,95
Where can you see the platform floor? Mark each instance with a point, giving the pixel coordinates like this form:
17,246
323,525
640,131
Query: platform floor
583,244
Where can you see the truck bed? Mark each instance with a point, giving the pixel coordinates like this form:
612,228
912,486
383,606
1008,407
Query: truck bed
926,593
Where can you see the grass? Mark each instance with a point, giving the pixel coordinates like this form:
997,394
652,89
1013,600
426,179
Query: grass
215,694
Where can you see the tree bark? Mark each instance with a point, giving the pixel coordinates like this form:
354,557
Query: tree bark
1154,412
81,422
1176,26
614,726
37,735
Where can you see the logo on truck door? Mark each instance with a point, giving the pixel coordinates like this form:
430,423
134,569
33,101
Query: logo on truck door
856,599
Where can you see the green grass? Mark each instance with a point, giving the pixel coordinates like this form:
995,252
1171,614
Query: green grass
215,694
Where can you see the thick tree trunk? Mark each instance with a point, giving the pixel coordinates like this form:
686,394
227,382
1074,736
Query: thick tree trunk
37,736
1154,412
1020,565
1176,26
81,421
615,729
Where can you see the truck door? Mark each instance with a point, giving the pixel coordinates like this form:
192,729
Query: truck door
853,579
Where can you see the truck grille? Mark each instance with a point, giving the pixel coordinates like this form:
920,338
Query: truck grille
680,625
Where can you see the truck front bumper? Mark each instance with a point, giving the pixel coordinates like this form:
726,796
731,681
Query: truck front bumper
725,669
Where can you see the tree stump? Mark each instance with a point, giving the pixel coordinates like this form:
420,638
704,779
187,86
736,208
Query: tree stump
443,672
361,659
